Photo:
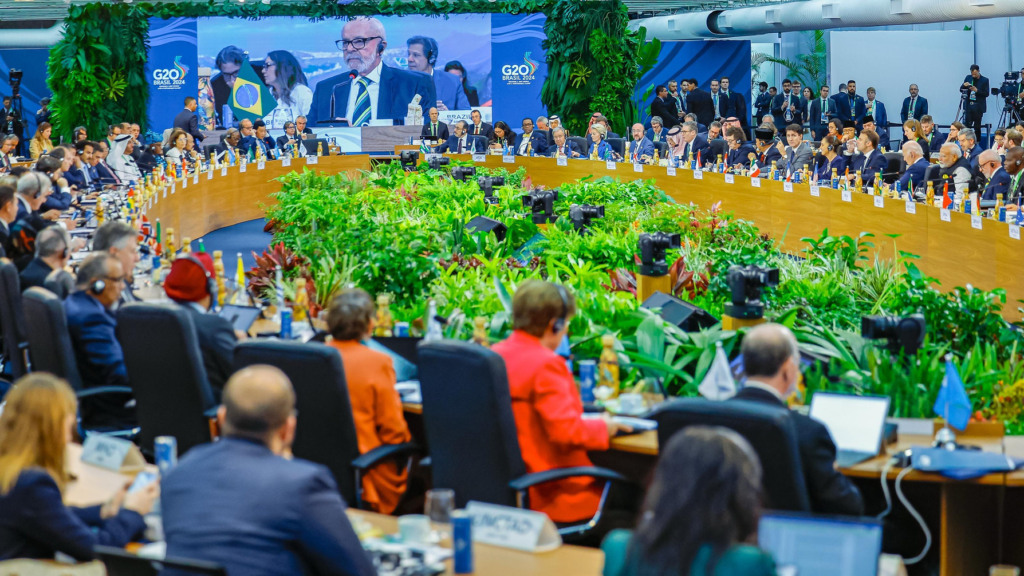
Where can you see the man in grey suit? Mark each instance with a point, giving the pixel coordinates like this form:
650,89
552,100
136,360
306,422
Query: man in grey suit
798,153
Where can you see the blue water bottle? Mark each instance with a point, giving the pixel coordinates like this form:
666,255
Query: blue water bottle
462,541
166,448
588,377
286,323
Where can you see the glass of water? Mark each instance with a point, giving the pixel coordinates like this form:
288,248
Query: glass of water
440,504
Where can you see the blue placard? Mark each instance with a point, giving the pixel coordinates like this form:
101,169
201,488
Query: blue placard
518,66
172,69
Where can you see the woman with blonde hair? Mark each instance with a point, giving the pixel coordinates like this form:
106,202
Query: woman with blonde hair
912,132
41,143
35,428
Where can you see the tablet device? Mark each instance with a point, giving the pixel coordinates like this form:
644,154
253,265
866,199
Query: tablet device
241,317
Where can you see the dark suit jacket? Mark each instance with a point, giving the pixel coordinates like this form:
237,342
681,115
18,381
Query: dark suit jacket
35,523
738,108
779,110
981,103
100,358
765,159
920,109
972,156
106,174
762,105
217,343
740,155
847,113
724,105
486,130
997,186
870,168
442,130
282,142
5,240
261,515
75,178
189,122
830,492
938,139
701,105
397,88
700,147
639,149
824,168
818,128
538,143
451,145
915,173
248,144
567,149
667,110
34,274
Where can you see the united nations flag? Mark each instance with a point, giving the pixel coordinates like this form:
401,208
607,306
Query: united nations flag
250,98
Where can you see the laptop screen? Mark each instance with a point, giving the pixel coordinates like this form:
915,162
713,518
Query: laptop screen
856,423
822,546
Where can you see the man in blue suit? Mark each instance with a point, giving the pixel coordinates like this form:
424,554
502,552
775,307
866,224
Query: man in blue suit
969,144
913,155
991,167
480,128
883,135
935,138
458,143
739,150
259,141
914,106
762,102
188,121
786,106
243,504
850,106
876,109
695,145
720,102
766,149
562,146
447,87
370,90
641,150
657,133
870,161
92,326
822,110
530,142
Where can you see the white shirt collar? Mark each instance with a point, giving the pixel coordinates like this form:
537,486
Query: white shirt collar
762,386
375,73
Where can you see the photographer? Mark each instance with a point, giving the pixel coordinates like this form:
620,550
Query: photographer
975,91
10,121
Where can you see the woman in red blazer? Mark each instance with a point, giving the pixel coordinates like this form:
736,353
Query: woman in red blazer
546,402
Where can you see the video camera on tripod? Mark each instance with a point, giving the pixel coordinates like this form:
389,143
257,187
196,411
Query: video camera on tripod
1009,91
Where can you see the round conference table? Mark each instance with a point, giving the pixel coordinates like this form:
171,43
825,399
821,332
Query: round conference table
967,517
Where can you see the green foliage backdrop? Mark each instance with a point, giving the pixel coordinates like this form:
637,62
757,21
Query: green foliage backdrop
97,71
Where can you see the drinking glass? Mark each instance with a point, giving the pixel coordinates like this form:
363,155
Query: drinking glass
439,506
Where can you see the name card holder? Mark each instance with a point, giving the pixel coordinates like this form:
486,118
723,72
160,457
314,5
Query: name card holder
944,214
195,177
261,165
286,161
224,171
670,171
561,161
815,191
698,174
730,179
312,160
879,202
165,191
911,207
209,174
184,183
508,159
479,158
513,528
242,167
787,186
638,167
174,187
847,195
976,221
110,453
1014,231
610,165
755,182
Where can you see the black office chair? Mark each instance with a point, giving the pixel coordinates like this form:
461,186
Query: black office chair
662,148
581,143
769,430
893,167
326,432
12,321
60,282
51,351
167,375
719,147
477,144
618,145
121,563
311,146
467,416
210,150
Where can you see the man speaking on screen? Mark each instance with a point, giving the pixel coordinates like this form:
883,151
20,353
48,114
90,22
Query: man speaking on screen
369,90
422,57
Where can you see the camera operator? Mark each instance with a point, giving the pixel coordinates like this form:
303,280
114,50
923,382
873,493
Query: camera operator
975,90
10,121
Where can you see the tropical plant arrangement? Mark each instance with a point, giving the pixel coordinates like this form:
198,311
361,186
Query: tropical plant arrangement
403,233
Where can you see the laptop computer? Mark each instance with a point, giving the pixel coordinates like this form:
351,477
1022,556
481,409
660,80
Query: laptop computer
809,545
856,424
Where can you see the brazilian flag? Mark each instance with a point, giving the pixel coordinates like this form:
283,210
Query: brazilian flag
250,98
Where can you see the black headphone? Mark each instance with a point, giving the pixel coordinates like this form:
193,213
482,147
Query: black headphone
380,46
211,282
98,286
559,324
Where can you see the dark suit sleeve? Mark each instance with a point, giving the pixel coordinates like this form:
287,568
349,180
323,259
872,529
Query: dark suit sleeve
326,540
67,529
193,128
830,491
100,345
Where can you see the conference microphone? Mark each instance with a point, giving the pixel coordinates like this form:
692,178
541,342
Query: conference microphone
352,74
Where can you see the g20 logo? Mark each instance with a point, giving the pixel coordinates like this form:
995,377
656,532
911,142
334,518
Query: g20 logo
166,74
176,74
519,69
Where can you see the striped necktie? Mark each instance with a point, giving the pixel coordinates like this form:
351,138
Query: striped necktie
361,112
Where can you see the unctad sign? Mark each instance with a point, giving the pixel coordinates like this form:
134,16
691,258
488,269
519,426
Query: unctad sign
519,74
170,78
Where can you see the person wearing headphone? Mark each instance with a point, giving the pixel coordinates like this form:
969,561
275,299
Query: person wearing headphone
8,212
368,90
33,187
191,283
53,252
92,327
831,159
546,403
448,88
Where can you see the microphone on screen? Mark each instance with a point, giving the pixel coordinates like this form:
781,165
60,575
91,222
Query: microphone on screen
352,74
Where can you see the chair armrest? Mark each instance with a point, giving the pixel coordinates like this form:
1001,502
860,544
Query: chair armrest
211,413
523,482
385,452
89,392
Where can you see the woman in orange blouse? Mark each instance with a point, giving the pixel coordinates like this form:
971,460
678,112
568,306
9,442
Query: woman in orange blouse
546,403
376,405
